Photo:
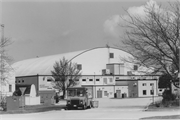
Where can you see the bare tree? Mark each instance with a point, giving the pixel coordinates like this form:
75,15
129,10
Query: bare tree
153,39
5,67
65,74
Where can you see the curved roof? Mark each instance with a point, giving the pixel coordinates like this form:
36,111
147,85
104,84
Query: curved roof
44,65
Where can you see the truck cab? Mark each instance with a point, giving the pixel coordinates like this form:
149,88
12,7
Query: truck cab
78,97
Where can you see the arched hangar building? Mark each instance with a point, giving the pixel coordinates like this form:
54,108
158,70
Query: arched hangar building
104,69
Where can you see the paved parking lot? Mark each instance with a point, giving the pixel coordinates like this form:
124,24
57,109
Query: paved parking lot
126,103
129,108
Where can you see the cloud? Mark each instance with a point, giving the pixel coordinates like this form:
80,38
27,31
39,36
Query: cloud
141,11
21,40
66,33
111,26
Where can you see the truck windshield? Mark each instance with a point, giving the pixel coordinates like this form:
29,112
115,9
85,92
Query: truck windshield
76,92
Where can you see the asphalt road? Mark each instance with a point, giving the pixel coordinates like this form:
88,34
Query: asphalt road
109,109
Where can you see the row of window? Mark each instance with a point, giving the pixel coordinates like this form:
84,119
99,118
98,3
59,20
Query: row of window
104,80
19,81
89,80
145,92
145,84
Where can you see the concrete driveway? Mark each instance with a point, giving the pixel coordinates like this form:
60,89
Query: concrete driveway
109,109
126,103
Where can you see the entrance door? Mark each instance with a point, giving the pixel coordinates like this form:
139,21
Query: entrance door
118,93
99,94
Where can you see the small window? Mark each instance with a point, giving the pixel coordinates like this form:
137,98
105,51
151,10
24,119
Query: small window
22,81
90,79
135,67
19,81
144,92
144,84
10,88
111,55
152,92
105,80
105,93
110,80
77,80
83,79
79,66
97,79
151,84
117,78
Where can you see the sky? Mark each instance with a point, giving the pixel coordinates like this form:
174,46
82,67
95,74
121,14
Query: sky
48,27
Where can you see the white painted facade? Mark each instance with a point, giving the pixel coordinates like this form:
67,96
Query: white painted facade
145,88
45,83
100,68
123,90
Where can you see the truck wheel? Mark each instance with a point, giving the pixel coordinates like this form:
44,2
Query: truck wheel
89,106
84,107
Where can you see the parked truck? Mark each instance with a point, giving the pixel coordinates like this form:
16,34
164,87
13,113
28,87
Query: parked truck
79,97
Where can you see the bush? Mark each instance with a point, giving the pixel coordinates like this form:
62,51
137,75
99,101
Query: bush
17,93
168,98
3,102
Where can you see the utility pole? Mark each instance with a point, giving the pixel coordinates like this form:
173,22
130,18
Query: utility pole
2,54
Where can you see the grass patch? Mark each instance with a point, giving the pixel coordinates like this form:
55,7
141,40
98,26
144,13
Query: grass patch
34,109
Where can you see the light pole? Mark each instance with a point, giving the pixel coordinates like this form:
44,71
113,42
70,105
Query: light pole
153,93
94,87
179,64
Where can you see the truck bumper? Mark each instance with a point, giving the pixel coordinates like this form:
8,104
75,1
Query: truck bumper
74,106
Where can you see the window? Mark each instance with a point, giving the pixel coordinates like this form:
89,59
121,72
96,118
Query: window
79,66
105,80
144,84
135,67
105,93
77,80
117,77
10,88
152,92
97,79
175,89
49,80
111,55
144,92
151,84
90,79
83,79
110,80
22,80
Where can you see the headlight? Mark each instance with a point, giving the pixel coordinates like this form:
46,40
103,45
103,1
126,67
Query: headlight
68,102
81,101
